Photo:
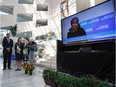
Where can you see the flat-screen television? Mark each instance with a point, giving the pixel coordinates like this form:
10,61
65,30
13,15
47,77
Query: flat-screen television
94,24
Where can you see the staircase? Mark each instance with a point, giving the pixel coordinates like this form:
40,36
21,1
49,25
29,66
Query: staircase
47,62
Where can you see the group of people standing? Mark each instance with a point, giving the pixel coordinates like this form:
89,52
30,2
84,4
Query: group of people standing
7,44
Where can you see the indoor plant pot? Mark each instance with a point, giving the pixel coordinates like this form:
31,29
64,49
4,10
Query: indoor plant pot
59,79
49,82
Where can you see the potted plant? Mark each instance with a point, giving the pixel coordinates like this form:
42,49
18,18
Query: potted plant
13,29
58,79
28,68
49,77
40,52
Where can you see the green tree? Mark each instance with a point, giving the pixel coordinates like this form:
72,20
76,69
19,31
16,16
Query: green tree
13,29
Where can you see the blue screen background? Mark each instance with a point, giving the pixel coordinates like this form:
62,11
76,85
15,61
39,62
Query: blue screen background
98,23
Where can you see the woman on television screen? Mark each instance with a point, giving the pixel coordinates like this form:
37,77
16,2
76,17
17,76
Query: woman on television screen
75,29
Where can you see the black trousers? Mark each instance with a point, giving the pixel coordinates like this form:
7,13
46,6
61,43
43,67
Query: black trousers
6,59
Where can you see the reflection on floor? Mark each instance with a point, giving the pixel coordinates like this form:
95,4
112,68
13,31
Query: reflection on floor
12,78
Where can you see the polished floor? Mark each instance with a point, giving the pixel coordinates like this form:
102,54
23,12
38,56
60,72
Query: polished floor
12,78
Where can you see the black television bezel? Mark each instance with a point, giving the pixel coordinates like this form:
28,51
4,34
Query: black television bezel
90,42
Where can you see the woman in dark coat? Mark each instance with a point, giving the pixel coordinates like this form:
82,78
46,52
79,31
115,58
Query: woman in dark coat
75,29
19,46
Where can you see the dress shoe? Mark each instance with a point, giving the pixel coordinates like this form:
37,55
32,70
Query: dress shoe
16,69
19,69
4,69
9,68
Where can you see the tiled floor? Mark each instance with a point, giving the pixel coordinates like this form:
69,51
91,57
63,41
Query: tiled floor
12,78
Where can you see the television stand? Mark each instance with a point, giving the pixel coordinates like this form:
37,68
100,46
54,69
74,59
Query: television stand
96,58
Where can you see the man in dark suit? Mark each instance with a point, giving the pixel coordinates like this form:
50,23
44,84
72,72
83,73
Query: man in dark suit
7,44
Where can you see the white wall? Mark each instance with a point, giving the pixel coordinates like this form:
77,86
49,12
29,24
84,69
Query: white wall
99,1
82,4
11,20
7,20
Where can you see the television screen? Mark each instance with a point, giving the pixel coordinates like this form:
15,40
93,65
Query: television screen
91,25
